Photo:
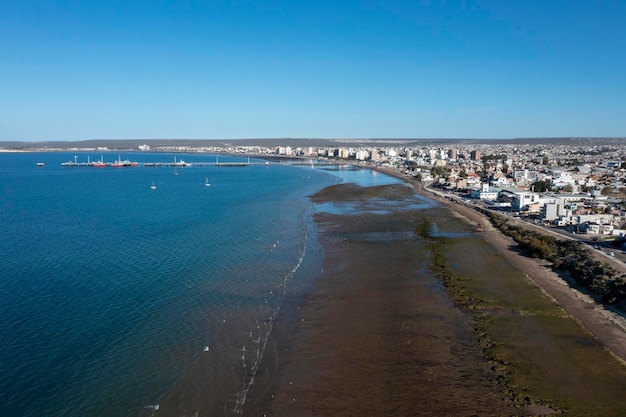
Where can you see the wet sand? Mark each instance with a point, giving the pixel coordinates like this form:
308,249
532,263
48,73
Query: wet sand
378,335
603,324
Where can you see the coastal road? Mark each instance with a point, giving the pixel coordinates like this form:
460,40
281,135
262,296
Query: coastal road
601,250
606,326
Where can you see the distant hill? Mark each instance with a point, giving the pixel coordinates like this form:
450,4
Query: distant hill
127,144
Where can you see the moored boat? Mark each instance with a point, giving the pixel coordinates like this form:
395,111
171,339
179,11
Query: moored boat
125,163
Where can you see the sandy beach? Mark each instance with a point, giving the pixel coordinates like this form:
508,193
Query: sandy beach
380,335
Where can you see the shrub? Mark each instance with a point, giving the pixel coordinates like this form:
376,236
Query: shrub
570,257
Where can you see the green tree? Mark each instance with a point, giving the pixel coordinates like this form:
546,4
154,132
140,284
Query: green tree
437,171
541,186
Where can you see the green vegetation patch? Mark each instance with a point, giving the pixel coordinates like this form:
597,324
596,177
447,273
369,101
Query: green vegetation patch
570,259
354,192
538,354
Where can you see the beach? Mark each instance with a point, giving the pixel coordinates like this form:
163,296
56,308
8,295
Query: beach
380,334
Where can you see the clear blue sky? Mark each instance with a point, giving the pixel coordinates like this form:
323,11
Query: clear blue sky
73,70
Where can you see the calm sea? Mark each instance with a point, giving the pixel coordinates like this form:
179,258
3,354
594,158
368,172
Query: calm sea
117,297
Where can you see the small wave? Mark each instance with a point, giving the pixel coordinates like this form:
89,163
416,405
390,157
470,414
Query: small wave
152,407
251,363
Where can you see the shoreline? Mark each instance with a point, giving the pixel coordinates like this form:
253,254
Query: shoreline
593,316
357,333
318,376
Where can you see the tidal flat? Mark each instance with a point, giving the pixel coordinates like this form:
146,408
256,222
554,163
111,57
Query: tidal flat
416,313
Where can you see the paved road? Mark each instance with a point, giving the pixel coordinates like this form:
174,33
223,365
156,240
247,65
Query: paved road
604,325
609,328
617,260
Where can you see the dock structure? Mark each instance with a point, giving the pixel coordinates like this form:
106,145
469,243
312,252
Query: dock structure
175,164
182,164
167,164
198,164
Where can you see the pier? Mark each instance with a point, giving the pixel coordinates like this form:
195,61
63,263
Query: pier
175,164
201,164
166,164
179,163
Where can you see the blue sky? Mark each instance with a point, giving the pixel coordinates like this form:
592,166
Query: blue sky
74,70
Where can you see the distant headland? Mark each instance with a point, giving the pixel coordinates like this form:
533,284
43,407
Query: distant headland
134,144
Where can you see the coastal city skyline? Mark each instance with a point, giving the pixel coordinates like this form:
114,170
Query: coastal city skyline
294,208
476,69
163,229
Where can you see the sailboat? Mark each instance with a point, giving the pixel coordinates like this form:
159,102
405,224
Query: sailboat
206,182
153,187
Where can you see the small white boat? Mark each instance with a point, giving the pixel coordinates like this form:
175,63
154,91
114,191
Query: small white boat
40,164
206,182
153,187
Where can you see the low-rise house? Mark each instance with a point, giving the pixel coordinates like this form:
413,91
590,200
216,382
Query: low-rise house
472,178
596,228
503,182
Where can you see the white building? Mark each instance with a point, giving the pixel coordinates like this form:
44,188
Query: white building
523,200
553,210
485,193
362,155
596,228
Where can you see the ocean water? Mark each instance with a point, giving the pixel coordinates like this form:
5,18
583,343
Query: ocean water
122,300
